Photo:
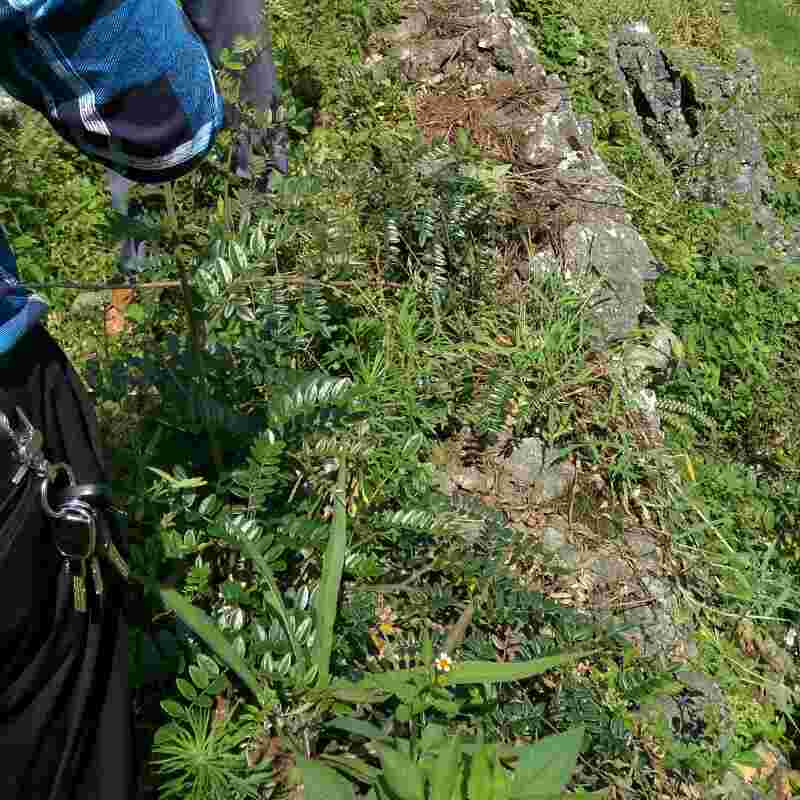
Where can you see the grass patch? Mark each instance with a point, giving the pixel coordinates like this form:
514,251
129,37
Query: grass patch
775,20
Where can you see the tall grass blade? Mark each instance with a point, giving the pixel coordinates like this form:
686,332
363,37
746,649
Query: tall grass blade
207,630
274,597
327,600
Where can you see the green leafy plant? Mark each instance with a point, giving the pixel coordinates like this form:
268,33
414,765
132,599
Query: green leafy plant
447,768
204,760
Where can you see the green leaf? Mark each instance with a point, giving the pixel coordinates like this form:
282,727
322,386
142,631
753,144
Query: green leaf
352,767
449,707
186,689
403,777
479,782
323,783
356,726
219,684
209,503
346,693
445,771
433,736
544,768
208,664
178,483
490,672
208,631
427,650
468,672
327,600
199,677
173,708
750,758
274,598
500,778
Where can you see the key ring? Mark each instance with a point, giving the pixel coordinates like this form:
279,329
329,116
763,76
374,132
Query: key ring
79,512
53,471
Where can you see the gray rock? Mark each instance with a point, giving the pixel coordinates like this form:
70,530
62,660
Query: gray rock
611,570
422,61
414,25
618,253
534,473
553,540
677,101
703,701
9,110
643,546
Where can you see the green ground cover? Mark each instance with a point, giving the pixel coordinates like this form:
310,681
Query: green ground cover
283,482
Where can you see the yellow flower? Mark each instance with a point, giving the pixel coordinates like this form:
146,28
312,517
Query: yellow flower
386,620
444,663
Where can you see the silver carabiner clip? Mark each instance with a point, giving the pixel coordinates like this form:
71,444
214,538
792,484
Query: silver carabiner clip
53,471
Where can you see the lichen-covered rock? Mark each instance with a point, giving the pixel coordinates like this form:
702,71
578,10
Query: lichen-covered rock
695,115
619,254
698,712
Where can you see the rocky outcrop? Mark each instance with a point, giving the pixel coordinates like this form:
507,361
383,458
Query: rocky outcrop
701,121
481,45
695,117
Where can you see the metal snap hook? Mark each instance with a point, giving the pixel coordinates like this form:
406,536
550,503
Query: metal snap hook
53,471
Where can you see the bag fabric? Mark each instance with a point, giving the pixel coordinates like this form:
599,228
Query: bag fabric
66,724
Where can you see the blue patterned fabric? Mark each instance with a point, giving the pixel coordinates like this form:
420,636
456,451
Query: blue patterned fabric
128,82
19,309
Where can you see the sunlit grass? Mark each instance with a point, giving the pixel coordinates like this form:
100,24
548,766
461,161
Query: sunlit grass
777,20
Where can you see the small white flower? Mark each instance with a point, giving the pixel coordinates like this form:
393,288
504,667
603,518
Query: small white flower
444,663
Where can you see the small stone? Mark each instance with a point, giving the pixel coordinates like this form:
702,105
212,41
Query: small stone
612,570
552,540
471,479
89,304
569,555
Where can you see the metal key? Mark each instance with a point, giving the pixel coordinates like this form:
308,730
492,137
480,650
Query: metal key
79,587
97,577
81,513
109,551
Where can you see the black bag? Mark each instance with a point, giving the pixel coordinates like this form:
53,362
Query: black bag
66,725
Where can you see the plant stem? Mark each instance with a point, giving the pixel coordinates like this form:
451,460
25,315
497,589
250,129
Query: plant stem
195,333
